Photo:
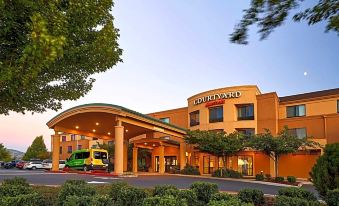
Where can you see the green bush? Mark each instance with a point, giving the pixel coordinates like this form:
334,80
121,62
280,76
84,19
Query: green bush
259,177
231,202
130,196
332,197
297,193
162,190
190,170
279,179
221,196
33,199
254,196
115,188
74,188
294,201
268,177
16,181
325,173
190,197
226,173
49,194
204,190
164,201
291,179
97,200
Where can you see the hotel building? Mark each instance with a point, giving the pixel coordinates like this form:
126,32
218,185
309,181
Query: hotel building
241,108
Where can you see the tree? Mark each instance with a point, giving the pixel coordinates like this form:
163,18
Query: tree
37,150
268,15
49,50
219,144
283,143
325,173
4,153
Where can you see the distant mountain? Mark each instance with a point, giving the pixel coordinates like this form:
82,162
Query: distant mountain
16,154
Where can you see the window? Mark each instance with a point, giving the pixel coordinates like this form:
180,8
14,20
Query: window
298,132
95,138
79,146
246,131
69,149
194,118
60,150
245,165
78,155
73,137
85,155
166,120
63,138
216,114
245,111
82,137
296,111
100,155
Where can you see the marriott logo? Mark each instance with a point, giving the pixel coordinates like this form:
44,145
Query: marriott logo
225,95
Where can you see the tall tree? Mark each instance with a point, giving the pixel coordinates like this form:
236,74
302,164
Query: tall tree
283,143
219,144
37,150
50,49
4,153
268,15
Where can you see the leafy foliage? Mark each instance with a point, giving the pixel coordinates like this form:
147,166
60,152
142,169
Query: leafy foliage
325,173
130,196
37,150
231,202
332,197
291,179
297,193
74,188
259,177
227,173
164,201
283,143
4,153
268,15
49,50
190,170
294,201
204,190
252,196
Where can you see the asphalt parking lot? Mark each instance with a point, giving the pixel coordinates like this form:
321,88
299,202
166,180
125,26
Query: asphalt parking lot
40,177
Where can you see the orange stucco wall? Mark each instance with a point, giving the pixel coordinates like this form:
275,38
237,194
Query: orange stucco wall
64,145
267,112
177,116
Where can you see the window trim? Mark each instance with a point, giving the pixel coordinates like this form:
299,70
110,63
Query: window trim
239,106
216,120
290,129
298,105
194,113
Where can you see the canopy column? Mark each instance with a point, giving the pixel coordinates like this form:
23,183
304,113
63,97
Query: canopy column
162,159
55,151
125,155
135,160
119,149
182,155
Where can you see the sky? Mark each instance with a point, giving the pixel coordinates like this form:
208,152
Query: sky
175,49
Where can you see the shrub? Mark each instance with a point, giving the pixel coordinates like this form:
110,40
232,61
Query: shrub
293,201
98,200
252,196
190,170
297,193
332,197
49,194
279,179
204,190
221,196
115,188
325,172
33,199
74,188
268,177
162,190
226,173
164,201
130,196
231,202
16,181
291,179
259,177
190,197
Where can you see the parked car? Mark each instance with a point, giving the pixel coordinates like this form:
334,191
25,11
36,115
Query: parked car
2,163
20,165
8,165
47,164
33,165
88,159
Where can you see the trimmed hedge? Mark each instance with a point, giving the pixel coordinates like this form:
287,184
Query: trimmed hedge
291,179
231,202
162,190
204,190
190,170
130,196
221,196
226,173
332,197
253,196
164,201
294,201
74,188
97,200
297,193
259,177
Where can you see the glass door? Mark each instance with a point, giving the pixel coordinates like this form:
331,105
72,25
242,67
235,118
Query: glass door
170,162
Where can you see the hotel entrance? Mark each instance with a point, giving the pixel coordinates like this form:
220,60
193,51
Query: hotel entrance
170,163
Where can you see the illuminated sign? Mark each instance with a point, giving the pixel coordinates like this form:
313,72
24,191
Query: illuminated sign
221,96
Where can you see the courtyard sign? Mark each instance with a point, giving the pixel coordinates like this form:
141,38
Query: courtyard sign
221,96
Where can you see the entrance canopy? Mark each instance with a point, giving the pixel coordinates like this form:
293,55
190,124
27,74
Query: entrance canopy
111,122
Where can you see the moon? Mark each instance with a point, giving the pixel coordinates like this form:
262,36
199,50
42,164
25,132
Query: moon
305,73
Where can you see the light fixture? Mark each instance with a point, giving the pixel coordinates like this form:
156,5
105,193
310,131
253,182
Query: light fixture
145,143
93,130
97,123
153,145
108,133
76,127
126,130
